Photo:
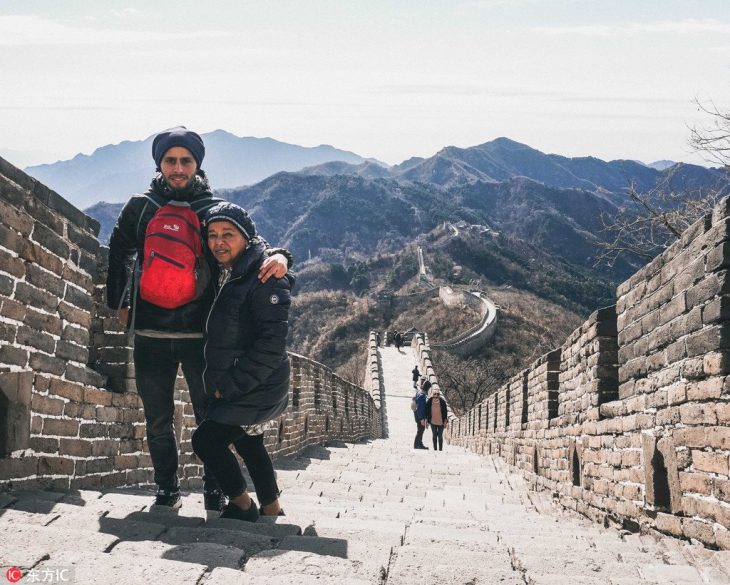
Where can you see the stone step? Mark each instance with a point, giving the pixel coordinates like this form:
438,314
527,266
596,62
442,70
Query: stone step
95,567
332,568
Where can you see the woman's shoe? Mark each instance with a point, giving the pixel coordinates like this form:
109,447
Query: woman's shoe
261,512
237,513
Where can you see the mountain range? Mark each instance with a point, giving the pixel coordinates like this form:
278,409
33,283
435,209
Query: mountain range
503,159
339,210
113,172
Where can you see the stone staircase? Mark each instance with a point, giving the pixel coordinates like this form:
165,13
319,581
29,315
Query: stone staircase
374,512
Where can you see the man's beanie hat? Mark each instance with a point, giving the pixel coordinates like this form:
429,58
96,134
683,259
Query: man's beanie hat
179,136
237,215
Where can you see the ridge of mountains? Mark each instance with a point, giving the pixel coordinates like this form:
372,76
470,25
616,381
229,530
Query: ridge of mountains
339,211
113,172
502,159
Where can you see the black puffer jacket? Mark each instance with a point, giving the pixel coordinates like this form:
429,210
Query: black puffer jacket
245,348
127,241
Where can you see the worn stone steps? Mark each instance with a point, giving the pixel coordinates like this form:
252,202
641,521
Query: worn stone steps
375,512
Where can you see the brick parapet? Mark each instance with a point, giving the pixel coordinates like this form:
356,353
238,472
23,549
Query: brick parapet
70,417
642,432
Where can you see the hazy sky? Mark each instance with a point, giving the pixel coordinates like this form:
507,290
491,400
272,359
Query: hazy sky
384,78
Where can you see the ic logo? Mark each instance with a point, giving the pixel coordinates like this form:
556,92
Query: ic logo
13,575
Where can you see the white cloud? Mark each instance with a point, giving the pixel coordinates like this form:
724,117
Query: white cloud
30,30
689,26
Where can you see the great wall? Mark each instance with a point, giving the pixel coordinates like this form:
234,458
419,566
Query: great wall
605,461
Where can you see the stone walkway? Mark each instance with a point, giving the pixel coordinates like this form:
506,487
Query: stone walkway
377,512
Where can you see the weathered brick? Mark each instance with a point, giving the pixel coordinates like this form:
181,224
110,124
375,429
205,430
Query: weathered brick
77,335
60,427
35,339
14,468
79,298
76,410
698,530
710,461
55,466
93,430
47,364
697,483
50,324
12,265
47,405
30,295
45,280
11,355
47,445
74,314
50,240
698,414
98,397
70,351
12,309
108,414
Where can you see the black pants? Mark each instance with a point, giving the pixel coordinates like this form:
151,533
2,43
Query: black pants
418,441
211,442
438,435
156,363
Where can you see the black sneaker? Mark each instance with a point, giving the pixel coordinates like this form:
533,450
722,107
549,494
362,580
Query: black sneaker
237,513
168,498
214,500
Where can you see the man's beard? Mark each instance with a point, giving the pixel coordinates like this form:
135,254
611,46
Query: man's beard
182,188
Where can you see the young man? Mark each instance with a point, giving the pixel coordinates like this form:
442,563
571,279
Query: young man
168,338
420,414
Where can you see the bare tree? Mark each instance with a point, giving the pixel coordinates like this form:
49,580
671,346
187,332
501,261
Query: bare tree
656,218
652,221
354,369
712,139
465,383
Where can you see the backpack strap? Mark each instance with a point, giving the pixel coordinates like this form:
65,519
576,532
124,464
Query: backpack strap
203,204
156,200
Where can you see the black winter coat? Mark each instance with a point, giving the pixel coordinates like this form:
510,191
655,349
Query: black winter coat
245,348
444,412
127,241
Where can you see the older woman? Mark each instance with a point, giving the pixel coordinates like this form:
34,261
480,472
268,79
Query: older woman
247,367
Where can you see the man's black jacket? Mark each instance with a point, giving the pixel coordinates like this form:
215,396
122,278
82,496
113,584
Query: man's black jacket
127,242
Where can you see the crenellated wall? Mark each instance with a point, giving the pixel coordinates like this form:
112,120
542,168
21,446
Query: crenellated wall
69,413
627,421
479,335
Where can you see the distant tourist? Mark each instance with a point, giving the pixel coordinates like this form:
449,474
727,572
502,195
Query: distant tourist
436,414
420,416
416,376
398,340
377,339
168,297
247,367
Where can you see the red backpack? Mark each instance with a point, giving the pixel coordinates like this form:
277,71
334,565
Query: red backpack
174,269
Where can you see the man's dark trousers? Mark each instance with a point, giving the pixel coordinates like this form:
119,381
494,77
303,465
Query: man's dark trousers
418,441
156,362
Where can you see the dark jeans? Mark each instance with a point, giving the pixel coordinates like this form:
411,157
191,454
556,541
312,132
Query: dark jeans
418,441
156,363
438,435
211,442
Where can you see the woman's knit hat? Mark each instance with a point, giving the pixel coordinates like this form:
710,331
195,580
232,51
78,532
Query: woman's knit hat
237,215
179,136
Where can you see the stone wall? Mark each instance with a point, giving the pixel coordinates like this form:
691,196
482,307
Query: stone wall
478,336
627,421
69,413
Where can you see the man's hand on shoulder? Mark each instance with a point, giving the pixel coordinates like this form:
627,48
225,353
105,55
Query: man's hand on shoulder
275,265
